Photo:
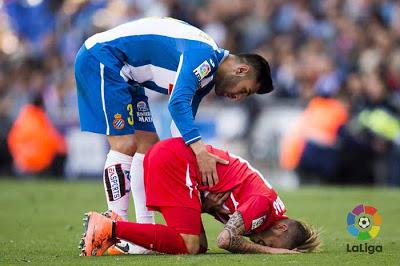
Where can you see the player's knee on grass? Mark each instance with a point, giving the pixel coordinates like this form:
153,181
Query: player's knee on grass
145,140
192,243
125,144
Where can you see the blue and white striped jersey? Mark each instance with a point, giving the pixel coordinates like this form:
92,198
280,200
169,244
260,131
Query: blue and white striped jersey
165,55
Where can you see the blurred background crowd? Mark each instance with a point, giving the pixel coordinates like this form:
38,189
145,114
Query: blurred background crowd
334,116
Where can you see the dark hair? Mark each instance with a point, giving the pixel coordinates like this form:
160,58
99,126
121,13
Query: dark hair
37,99
261,71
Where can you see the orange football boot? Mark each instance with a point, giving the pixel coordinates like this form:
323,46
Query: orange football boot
97,236
113,216
117,248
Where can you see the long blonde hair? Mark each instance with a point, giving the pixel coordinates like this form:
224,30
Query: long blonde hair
311,238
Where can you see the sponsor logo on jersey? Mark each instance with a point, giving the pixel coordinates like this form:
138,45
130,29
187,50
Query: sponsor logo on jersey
257,222
143,112
118,122
142,106
279,206
202,70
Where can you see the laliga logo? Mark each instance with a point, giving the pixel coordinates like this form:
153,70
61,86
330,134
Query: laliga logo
364,223
204,69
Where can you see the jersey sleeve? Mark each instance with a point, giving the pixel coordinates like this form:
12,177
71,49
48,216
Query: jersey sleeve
254,212
195,106
193,67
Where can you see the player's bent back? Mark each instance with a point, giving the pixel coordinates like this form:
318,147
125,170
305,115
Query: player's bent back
172,179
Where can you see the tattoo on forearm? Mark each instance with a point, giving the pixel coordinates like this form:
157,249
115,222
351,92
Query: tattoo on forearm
235,228
233,240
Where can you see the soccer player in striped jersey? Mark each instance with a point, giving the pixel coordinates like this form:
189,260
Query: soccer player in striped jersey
114,68
248,206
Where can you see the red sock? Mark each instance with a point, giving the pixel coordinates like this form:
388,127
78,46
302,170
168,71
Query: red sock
156,237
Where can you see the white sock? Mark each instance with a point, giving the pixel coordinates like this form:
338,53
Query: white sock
143,215
133,248
116,179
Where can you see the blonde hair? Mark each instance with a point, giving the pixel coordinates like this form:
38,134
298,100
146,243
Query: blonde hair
311,236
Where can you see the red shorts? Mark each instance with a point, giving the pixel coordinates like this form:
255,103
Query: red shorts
170,179
183,220
171,188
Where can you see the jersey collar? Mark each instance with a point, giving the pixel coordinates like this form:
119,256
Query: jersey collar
222,54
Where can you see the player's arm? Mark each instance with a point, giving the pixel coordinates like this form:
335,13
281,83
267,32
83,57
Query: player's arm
205,159
231,239
212,203
195,106
182,114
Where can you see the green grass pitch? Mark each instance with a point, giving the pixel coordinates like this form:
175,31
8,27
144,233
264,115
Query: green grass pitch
41,224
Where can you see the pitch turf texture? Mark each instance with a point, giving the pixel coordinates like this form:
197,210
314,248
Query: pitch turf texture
40,223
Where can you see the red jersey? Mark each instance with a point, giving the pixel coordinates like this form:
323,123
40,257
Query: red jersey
172,178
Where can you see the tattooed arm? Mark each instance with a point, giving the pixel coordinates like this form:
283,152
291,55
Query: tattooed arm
231,239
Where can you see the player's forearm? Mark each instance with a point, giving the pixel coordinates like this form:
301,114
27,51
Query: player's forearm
231,238
181,113
238,244
198,147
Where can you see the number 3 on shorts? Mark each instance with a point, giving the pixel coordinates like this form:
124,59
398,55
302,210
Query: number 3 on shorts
130,111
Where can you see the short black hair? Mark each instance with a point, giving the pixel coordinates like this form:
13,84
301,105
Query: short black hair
262,71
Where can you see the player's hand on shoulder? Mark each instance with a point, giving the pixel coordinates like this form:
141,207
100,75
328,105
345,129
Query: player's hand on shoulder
207,163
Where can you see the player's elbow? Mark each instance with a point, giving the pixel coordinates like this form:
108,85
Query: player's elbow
223,240
178,106
173,106
173,110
